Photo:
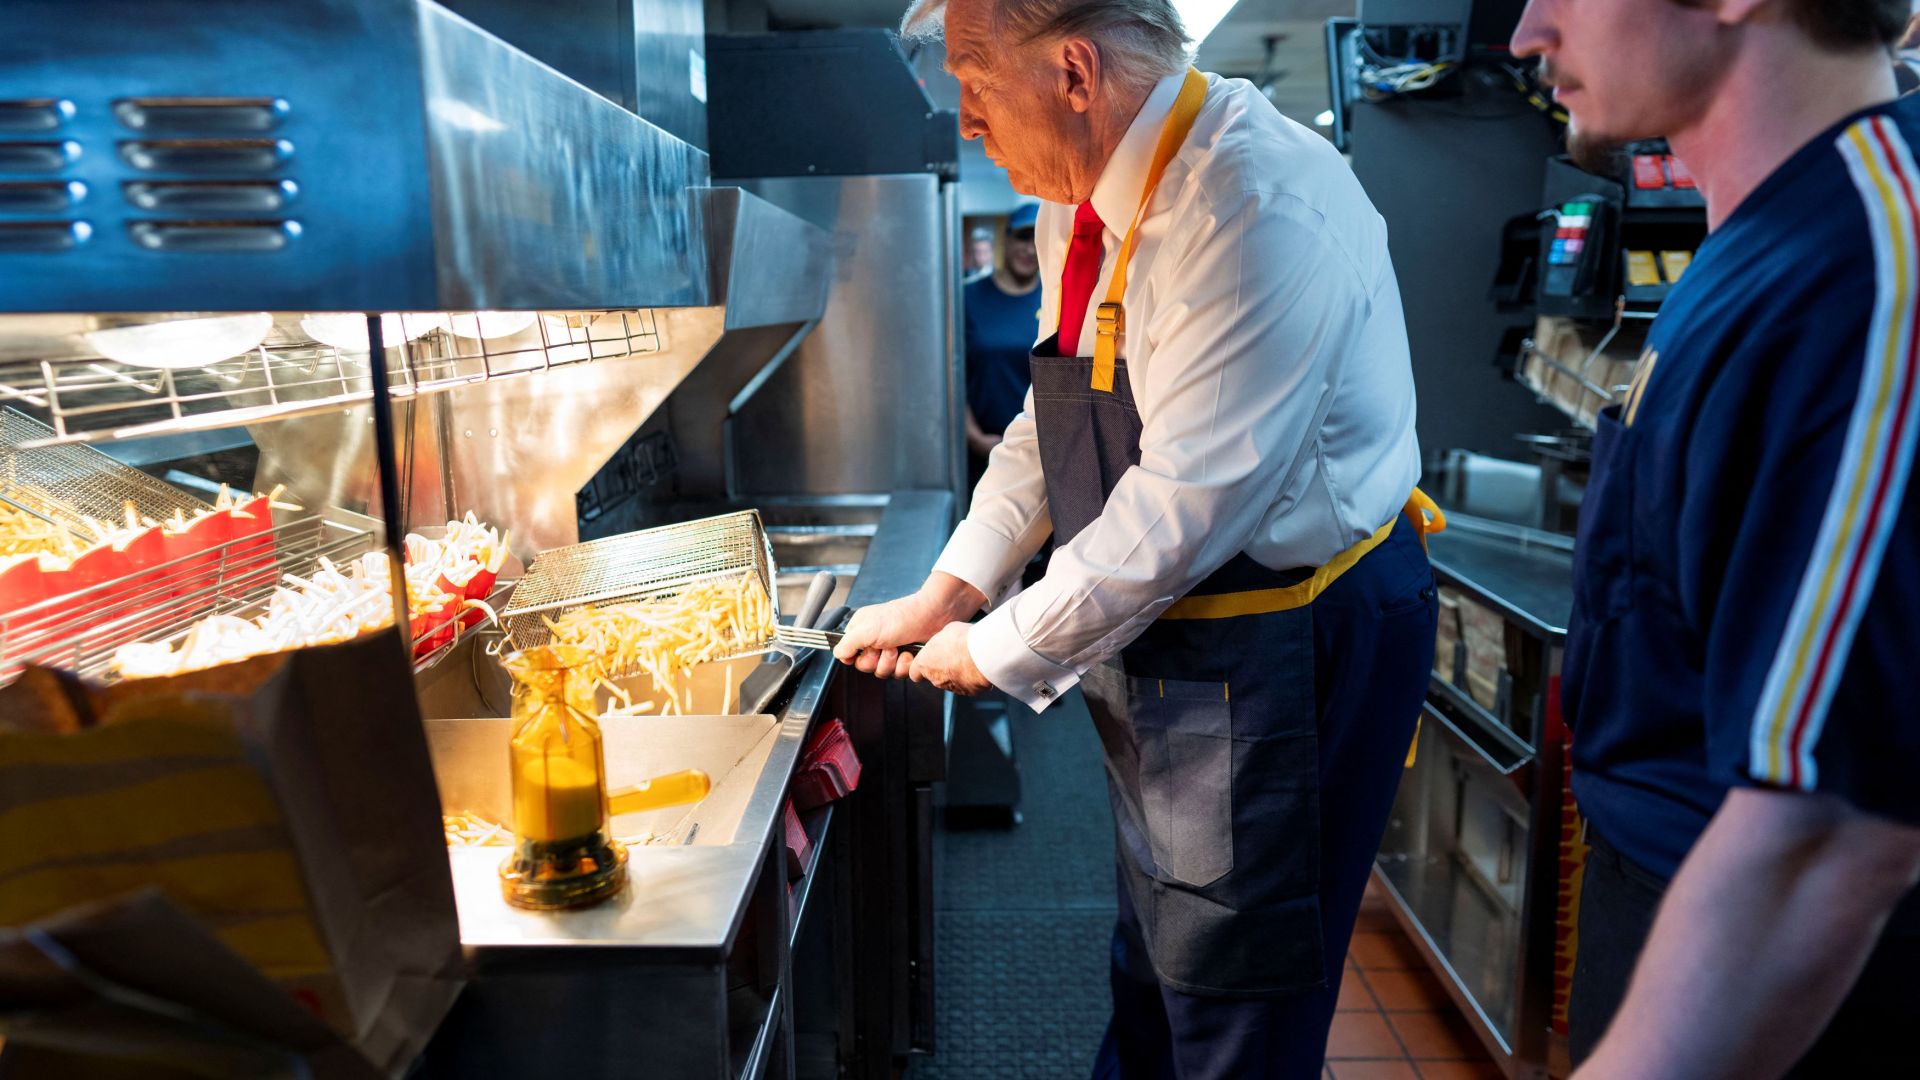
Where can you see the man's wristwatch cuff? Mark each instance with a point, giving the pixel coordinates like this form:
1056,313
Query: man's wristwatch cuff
1005,658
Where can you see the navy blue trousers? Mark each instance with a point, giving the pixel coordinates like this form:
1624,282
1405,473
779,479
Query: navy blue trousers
1373,649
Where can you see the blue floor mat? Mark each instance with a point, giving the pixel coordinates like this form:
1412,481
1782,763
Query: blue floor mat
1024,916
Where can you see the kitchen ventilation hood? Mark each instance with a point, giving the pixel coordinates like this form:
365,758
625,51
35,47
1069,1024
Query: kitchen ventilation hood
327,155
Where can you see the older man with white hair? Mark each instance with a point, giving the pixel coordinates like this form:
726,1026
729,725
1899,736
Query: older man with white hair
1220,438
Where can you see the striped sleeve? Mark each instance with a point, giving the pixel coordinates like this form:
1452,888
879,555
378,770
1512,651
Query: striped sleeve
1833,698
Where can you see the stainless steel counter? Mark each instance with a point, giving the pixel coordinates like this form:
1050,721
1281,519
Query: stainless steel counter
1473,852
1527,574
686,891
691,971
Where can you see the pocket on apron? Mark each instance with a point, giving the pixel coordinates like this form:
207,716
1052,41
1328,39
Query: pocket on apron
1185,733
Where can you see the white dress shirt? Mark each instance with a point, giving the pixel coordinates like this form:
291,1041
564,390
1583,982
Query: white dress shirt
1267,353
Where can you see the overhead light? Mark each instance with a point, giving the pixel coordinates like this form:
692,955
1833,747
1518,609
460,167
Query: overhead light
502,324
1325,119
348,331
183,343
1201,16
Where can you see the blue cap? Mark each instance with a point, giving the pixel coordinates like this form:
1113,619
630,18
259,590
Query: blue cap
1023,217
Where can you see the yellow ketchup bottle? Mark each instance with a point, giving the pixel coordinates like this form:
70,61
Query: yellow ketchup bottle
562,856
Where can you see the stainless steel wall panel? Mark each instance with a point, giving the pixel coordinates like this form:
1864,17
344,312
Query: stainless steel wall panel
545,196
536,442
769,265
868,399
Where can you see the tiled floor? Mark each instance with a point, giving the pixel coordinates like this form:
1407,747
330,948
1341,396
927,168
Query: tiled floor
1395,1022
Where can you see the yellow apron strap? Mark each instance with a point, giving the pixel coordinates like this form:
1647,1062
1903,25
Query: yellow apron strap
1110,319
1425,515
1419,509
1428,519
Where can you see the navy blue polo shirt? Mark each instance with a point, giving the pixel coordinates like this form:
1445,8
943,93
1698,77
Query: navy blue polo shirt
1747,579
1001,329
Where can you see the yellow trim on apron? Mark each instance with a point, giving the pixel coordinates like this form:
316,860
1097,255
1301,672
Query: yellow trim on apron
1419,509
1110,318
1111,321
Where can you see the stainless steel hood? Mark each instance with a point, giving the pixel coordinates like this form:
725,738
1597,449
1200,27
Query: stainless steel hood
324,155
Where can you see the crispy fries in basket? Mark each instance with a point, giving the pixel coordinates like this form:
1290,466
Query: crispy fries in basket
665,637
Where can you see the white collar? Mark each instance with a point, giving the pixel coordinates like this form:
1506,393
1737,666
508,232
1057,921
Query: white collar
1116,195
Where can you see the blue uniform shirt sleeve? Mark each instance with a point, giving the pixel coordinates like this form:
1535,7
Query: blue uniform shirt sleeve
1813,608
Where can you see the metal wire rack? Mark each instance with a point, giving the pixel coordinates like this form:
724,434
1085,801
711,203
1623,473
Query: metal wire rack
70,484
88,398
645,565
424,660
1593,395
80,630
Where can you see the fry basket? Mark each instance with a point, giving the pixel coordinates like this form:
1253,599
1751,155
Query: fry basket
651,564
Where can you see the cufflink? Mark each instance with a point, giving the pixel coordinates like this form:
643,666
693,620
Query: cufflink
1043,690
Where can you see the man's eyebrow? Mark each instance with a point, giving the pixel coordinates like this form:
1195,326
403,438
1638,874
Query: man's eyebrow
955,60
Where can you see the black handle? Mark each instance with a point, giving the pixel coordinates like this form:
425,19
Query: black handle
819,591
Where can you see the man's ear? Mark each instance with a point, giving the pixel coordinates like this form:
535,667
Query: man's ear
1079,72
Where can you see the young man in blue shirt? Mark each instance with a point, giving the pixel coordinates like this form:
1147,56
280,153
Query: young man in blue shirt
1747,614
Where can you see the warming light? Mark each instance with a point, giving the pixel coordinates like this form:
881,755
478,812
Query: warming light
348,332
503,324
183,343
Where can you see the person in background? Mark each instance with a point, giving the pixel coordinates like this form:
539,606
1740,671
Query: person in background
979,254
1738,671
1003,319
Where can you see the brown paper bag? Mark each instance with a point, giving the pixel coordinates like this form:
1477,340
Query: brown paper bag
133,987
286,803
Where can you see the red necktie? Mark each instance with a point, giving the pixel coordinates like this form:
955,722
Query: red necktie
1081,274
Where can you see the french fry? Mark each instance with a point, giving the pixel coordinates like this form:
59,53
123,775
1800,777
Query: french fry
667,636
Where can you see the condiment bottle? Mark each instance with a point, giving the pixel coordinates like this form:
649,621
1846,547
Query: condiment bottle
562,855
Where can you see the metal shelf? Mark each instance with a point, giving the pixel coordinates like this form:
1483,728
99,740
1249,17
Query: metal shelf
80,630
85,397
1579,371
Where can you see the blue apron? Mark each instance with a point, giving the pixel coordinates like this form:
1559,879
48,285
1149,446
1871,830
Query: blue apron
1211,727
1253,736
